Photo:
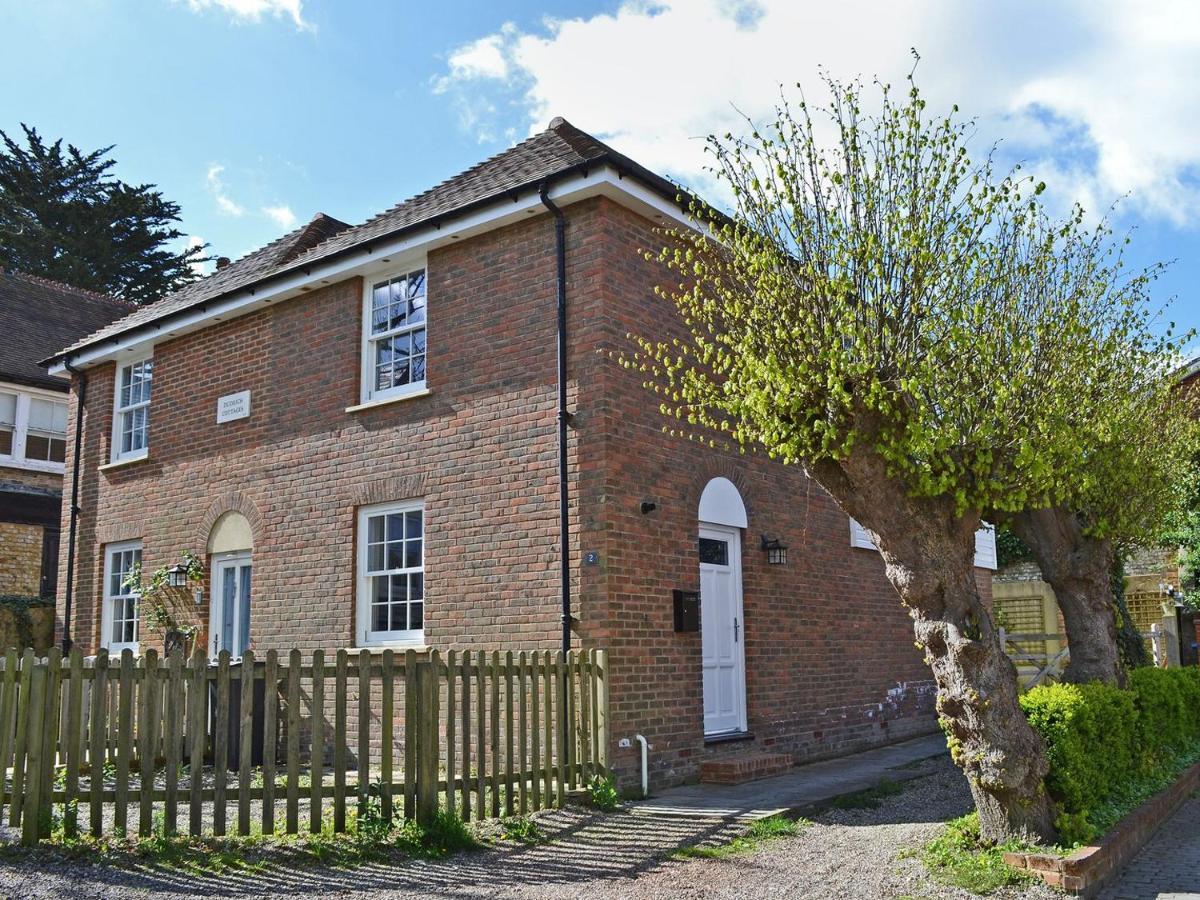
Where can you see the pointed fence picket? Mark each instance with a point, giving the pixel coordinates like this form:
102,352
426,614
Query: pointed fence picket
137,741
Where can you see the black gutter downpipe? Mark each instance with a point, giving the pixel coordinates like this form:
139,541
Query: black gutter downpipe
68,593
564,525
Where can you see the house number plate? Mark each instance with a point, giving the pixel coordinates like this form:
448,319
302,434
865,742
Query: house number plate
233,406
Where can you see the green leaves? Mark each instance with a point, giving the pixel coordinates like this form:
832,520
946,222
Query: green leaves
887,292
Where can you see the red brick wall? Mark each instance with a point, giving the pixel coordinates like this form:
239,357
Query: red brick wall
830,661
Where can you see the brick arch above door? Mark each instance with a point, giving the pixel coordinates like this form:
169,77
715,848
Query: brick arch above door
232,501
729,472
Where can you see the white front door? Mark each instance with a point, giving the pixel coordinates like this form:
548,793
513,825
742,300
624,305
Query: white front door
721,630
229,618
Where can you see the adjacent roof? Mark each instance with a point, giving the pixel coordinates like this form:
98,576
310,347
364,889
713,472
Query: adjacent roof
560,150
37,316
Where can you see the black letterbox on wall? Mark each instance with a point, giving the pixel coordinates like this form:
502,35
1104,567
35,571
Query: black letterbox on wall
687,610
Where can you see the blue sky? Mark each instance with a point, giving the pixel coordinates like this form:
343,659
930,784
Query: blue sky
254,114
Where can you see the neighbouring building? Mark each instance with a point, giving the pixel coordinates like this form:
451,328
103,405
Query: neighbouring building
356,428
37,317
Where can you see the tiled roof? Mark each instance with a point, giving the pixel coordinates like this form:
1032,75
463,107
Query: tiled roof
37,316
559,149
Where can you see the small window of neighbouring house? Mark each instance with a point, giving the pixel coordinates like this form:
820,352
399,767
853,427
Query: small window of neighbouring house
8,423
394,354
131,428
120,619
33,430
391,593
46,438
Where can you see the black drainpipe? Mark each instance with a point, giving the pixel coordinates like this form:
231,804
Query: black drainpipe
68,593
564,526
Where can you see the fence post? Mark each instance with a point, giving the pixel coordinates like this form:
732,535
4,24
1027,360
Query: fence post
427,742
34,713
603,736
1171,632
17,805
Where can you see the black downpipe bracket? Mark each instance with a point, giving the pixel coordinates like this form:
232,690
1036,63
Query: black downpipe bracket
564,525
69,591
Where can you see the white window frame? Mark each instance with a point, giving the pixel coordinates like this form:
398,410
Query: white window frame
106,617
397,638
119,412
25,397
985,543
368,393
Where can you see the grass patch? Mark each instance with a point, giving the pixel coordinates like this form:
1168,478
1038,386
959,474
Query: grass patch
958,857
760,832
869,798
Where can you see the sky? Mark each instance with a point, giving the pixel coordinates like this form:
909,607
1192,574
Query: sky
254,115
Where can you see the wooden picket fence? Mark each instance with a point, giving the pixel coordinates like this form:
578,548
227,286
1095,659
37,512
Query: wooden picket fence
479,734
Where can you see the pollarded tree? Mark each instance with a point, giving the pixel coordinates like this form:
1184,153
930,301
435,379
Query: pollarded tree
1131,483
872,312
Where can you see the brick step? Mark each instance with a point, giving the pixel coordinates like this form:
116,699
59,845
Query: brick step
744,767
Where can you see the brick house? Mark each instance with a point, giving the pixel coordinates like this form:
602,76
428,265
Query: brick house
37,317
358,429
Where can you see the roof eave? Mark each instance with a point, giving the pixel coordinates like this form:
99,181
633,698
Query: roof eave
621,164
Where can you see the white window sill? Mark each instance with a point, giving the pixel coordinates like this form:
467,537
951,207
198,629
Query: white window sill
29,465
117,651
121,463
384,401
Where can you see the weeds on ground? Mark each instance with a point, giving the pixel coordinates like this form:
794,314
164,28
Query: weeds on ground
521,830
760,832
958,857
602,793
869,798
368,837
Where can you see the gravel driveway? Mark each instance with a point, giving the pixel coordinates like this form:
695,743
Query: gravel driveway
845,854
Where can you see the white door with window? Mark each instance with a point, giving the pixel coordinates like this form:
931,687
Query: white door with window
721,630
229,619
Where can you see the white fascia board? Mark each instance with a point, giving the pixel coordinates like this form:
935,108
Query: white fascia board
377,255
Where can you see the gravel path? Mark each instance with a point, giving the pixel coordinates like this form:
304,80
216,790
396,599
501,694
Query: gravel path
845,854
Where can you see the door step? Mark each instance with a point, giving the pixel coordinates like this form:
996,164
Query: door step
744,767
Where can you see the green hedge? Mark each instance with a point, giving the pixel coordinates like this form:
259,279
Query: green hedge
1102,740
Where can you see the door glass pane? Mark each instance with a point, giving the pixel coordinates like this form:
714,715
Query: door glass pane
714,552
244,609
228,594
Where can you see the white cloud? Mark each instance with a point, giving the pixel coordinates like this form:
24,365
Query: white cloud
280,215
1097,96
196,241
254,10
216,187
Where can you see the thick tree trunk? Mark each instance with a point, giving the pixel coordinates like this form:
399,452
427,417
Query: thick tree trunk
929,552
1079,569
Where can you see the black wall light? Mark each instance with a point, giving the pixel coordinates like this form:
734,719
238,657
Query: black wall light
776,550
648,506
177,575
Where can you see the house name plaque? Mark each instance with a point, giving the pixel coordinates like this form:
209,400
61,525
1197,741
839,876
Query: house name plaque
233,406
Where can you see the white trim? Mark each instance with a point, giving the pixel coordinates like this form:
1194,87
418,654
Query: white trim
733,536
216,612
119,412
127,461
374,257
20,428
366,385
721,504
364,635
985,543
410,395
106,611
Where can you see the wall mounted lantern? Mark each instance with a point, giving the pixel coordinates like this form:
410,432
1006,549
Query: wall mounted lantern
775,549
177,575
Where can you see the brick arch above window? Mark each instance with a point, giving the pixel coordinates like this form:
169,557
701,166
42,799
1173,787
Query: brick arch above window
388,490
232,501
